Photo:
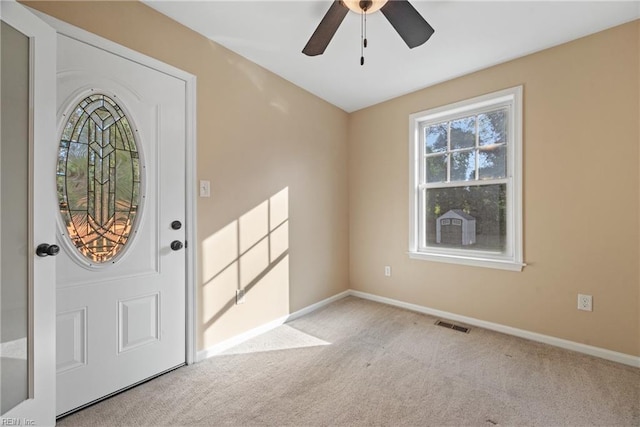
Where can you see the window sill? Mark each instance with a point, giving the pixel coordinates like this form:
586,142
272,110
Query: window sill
474,262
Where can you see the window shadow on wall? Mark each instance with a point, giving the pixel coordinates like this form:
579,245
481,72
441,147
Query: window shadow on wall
250,254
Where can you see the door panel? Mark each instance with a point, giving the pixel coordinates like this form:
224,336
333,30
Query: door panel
27,311
123,321
138,321
14,179
71,329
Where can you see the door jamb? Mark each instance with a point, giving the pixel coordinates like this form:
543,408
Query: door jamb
190,156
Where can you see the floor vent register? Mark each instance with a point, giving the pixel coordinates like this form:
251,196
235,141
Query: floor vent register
453,326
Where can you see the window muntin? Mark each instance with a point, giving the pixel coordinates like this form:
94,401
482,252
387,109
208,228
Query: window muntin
466,167
98,178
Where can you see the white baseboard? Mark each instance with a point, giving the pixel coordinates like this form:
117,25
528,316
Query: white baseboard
602,353
316,306
231,342
614,356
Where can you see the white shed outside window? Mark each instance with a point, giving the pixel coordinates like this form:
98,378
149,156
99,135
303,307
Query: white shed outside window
456,228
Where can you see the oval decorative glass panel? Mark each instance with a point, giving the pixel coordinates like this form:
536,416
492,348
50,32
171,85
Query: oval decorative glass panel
98,178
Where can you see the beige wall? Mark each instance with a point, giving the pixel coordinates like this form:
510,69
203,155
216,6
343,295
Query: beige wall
581,206
314,198
276,156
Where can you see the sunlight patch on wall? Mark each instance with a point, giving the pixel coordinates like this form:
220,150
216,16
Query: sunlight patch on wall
249,254
219,251
254,226
279,223
224,283
279,241
253,262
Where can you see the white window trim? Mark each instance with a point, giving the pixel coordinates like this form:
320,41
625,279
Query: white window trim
513,259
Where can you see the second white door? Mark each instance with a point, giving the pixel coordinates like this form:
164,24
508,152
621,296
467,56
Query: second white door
121,190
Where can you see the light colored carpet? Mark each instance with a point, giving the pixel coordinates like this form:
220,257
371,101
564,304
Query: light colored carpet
360,363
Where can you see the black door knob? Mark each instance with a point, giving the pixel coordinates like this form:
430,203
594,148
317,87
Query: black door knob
45,249
176,225
176,245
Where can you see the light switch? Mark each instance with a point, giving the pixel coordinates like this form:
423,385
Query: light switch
205,189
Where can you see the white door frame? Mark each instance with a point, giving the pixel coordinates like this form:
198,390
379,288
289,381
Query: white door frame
190,159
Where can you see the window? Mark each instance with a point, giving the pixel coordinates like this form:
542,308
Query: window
466,182
98,179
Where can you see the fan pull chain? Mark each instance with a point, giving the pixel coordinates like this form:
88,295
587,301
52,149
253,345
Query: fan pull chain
362,37
365,30
363,34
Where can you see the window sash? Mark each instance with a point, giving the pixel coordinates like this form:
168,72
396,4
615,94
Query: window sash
477,147
423,236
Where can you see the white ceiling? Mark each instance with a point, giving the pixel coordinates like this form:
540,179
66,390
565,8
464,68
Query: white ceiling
469,35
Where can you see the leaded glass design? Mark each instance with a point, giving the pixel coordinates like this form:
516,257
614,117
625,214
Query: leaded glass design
98,178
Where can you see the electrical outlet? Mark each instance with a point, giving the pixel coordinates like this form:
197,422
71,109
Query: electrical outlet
239,296
585,302
387,270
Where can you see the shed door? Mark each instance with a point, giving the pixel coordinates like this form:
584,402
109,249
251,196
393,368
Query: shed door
451,232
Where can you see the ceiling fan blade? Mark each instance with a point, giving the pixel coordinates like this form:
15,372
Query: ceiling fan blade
406,20
326,29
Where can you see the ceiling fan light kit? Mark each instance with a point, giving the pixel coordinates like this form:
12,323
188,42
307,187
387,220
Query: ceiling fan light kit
402,16
369,6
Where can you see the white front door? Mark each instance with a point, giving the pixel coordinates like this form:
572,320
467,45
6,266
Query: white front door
27,288
121,280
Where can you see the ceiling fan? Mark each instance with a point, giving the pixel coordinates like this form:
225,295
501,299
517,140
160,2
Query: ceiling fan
404,18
